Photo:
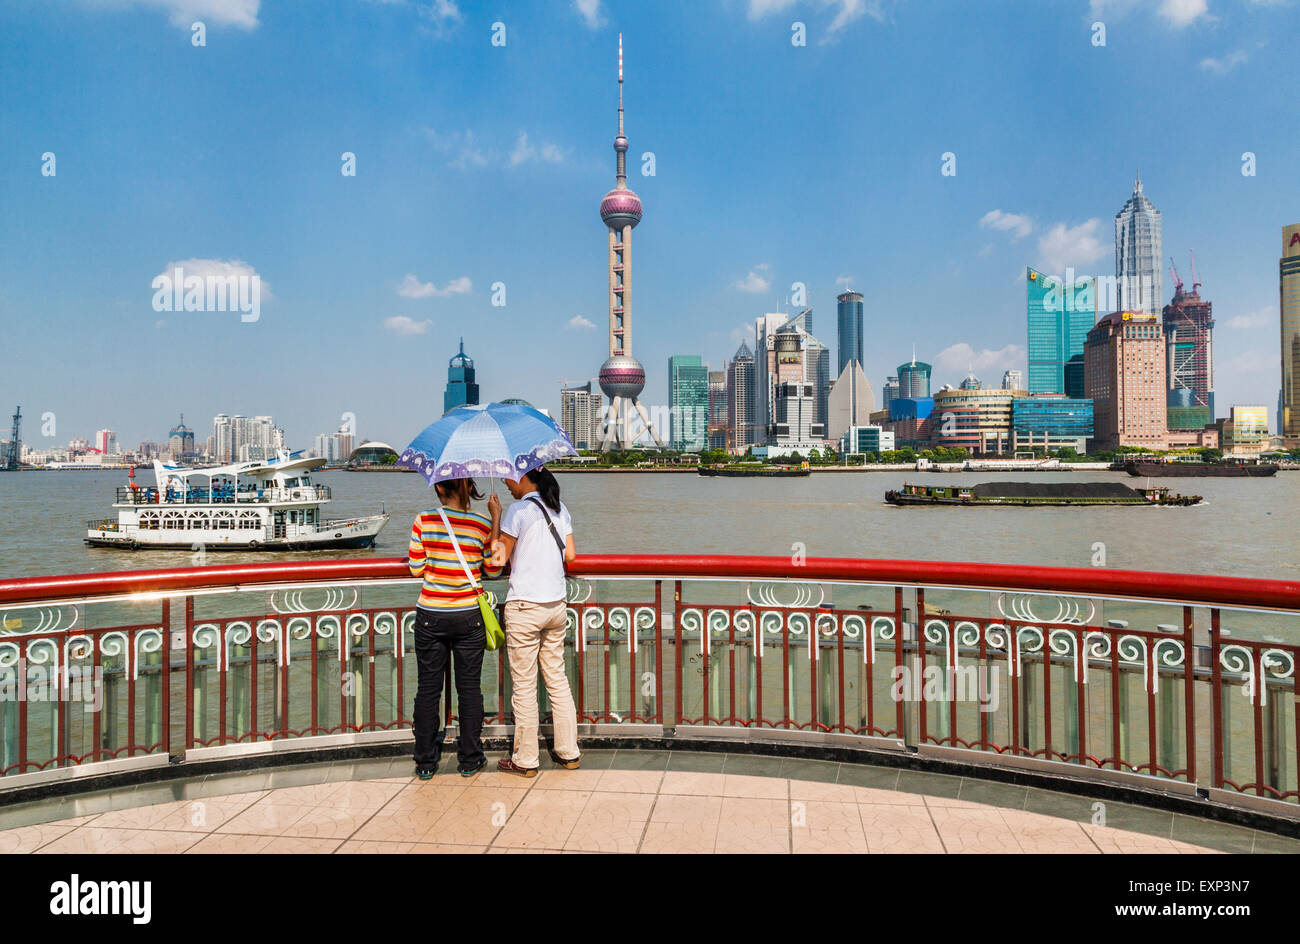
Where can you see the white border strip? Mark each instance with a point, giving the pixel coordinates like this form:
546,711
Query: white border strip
78,771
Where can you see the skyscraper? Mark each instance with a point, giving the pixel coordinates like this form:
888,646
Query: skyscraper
1189,324
1059,313
1138,253
849,320
817,371
1013,380
180,441
580,415
461,388
688,402
1124,376
914,379
622,378
718,409
764,375
1289,306
890,391
740,398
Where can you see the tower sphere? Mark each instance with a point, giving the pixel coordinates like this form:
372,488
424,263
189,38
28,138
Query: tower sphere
620,144
620,208
622,376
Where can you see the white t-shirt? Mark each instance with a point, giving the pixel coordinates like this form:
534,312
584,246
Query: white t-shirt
536,564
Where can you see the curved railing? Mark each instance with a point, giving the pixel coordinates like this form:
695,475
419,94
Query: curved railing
1174,681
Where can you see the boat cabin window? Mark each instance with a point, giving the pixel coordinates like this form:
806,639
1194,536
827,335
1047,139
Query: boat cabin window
291,483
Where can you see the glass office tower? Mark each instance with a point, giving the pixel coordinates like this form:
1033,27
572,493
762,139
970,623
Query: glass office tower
1059,315
849,311
688,403
1289,297
461,388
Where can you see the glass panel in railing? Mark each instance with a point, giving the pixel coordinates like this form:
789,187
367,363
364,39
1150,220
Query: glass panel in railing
81,681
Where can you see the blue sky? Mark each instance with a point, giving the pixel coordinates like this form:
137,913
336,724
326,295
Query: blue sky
478,164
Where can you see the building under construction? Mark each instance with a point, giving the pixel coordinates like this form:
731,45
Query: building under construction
11,450
1188,327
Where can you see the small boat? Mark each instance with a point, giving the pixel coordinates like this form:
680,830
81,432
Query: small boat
758,471
1037,494
246,506
1185,469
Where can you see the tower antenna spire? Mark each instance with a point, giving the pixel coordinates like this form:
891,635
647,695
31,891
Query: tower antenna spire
622,378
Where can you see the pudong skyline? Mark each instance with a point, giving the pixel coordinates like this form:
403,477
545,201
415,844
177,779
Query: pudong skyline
721,254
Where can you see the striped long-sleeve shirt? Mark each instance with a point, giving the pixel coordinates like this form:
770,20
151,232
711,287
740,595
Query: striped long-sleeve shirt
431,556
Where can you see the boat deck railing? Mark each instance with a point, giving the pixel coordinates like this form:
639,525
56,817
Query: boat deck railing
1184,684
148,495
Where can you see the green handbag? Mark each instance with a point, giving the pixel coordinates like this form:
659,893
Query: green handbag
494,635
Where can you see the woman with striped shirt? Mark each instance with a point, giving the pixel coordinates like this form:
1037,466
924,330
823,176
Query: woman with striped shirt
447,620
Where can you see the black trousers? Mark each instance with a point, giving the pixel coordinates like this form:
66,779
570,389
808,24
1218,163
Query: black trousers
463,635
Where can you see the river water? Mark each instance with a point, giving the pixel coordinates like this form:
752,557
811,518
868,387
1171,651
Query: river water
1245,528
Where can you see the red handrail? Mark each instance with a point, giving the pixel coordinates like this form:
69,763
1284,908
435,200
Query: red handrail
1181,588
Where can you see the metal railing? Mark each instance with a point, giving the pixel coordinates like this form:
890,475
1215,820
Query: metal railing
148,495
1186,679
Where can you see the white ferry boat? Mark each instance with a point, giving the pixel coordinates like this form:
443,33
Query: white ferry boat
247,506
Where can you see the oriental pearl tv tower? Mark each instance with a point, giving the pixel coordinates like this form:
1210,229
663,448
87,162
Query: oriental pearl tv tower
621,377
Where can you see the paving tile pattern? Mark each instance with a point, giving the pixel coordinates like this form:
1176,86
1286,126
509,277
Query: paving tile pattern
619,802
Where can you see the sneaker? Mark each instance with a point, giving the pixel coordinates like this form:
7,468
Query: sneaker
471,771
426,772
507,766
573,764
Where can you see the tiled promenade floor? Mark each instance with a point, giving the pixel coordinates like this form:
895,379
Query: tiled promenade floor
625,801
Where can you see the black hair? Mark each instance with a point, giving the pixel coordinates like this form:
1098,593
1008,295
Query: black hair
547,487
464,489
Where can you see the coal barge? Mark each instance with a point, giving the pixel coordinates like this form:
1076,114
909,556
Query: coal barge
1036,494
1188,469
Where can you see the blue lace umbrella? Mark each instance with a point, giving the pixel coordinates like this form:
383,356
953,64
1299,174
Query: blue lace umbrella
501,440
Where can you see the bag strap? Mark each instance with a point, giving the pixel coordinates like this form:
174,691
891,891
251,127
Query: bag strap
559,541
459,555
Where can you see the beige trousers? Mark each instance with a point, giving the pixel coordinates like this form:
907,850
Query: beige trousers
535,636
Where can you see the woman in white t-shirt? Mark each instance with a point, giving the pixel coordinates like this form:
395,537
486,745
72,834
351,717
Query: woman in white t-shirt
537,539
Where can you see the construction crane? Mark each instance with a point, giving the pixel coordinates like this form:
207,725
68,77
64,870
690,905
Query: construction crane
15,443
1196,277
1178,279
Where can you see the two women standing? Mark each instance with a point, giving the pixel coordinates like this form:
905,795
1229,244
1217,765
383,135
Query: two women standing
536,538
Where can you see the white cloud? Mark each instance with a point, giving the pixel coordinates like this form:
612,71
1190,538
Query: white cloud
846,12
463,150
412,287
1180,13
524,152
1176,13
1015,223
761,8
578,322
753,282
219,269
183,13
1076,246
961,358
1112,8
1226,64
589,10
459,146
443,14
400,324
1254,319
